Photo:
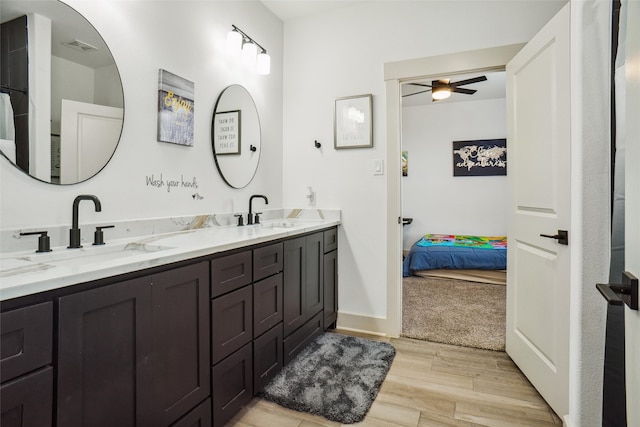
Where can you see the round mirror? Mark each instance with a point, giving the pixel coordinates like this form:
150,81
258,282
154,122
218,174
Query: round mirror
235,136
61,98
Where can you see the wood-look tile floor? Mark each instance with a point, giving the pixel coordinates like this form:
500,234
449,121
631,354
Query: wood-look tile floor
432,384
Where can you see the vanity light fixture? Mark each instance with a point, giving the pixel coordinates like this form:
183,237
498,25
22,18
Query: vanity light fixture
238,41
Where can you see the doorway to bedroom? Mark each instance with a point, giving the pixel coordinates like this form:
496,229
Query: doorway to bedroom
454,201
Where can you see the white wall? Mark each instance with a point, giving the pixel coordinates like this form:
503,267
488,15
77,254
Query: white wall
437,201
69,80
187,39
107,79
341,53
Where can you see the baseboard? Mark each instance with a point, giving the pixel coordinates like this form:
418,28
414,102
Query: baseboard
359,323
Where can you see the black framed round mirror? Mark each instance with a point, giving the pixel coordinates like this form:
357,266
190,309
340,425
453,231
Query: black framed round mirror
63,90
235,136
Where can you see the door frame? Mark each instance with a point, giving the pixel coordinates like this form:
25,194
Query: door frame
396,73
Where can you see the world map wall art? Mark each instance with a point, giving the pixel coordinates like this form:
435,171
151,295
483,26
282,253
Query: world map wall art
482,157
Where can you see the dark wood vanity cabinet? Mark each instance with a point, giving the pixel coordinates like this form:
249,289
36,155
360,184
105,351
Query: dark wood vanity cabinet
135,352
26,343
182,347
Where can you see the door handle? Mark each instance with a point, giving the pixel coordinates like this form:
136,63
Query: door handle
626,292
562,237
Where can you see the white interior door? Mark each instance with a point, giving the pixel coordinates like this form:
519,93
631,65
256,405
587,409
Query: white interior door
89,134
538,272
632,207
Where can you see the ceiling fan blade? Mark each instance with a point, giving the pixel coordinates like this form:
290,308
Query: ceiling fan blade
416,93
463,90
419,84
469,81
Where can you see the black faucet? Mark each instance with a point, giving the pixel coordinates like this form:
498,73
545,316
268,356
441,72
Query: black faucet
74,233
250,216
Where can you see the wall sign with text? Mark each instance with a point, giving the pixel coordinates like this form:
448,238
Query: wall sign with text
226,132
480,157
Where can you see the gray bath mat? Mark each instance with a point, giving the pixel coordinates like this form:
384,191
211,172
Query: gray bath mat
336,376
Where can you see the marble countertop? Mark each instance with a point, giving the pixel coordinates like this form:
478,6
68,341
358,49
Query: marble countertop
26,272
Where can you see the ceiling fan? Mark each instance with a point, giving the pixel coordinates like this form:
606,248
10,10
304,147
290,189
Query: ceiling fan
441,89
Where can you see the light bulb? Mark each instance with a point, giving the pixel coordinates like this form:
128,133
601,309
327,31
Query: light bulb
249,52
263,65
234,42
441,93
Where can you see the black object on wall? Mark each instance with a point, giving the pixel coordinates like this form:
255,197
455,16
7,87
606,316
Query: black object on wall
14,74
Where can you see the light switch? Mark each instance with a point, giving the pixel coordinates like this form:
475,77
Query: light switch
378,167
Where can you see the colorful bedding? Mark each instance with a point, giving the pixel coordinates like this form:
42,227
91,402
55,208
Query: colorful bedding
480,242
443,251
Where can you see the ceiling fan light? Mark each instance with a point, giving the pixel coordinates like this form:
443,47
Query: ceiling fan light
440,93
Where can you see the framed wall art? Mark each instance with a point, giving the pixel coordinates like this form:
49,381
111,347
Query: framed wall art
175,109
352,122
226,132
481,157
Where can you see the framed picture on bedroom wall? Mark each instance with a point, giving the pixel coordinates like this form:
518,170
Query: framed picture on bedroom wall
482,157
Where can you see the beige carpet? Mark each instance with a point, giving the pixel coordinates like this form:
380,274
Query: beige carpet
455,312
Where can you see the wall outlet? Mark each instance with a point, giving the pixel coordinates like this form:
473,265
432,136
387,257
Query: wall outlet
378,167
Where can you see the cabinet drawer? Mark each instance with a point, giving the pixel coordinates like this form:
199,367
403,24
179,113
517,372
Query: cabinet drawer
330,240
200,416
26,342
232,382
267,304
267,261
231,322
28,401
230,272
267,357
298,340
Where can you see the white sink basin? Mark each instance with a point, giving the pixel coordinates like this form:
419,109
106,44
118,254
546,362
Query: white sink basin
88,254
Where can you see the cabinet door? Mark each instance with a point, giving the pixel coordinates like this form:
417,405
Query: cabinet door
231,322
267,304
27,401
104,346
232,381
294,256
267,357
314,269
180,341
330,303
